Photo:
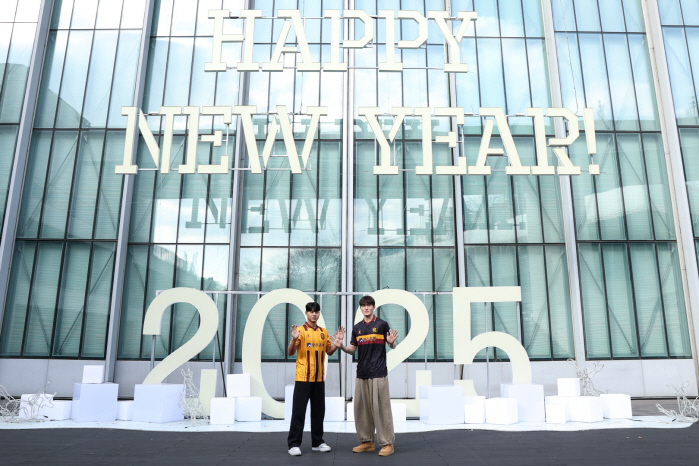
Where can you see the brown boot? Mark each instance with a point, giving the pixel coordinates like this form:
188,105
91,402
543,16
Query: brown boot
387,450
364,446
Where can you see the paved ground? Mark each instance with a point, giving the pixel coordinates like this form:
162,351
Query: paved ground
637,447
618,447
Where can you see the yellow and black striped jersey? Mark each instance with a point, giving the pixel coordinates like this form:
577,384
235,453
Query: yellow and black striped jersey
310,347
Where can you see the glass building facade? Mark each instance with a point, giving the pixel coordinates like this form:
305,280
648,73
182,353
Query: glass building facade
607,263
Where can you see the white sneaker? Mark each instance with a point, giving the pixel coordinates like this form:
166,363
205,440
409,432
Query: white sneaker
295,451
322,447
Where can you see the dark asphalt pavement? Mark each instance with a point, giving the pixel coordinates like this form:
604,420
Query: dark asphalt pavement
618,447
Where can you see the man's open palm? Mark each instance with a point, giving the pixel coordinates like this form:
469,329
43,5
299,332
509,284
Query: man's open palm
392,336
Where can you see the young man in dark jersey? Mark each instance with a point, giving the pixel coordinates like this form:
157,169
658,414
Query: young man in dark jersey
372,402
312,343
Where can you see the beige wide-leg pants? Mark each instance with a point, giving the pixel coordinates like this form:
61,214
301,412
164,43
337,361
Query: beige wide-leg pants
372,409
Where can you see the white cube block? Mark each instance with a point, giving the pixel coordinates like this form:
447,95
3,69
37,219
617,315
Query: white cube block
124,410
39,405
237,385
586,409
93,374
248,408
474,409
94,402
60,411
289,403
398,410
157,403
334,409
502,411
569,387
616,406
558,401
556,414
222,411
350,411
530,400
442,404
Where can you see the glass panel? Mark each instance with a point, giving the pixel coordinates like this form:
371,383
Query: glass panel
84,14
16,73
58,184
42,302
594,301
649,304
109,195
87,176
97,304
71,300
17,299
74,77
620,300
33,188
100,80
51,79
8,139
132,307
673,299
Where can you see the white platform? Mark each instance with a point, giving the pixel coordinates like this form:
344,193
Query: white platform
398,410
25,411
350,411
530,400
556,414
585,409
93,374
94,402
638,422
616,406
222,411
237,385
474,409
501,411
248,409
558,401
157,402
289,402
442,404
125,410
334,409
568,386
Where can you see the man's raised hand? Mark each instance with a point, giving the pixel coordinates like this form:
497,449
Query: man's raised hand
339,337
392,336
294,332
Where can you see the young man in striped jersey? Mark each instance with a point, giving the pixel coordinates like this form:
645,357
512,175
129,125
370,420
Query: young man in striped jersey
372,402
312,343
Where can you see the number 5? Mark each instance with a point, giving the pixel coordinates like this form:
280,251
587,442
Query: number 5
464,353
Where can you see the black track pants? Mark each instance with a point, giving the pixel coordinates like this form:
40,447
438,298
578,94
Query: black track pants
304,391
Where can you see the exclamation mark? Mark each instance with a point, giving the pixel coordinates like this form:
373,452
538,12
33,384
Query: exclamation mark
589,117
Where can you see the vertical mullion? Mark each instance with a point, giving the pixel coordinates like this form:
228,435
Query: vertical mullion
30,298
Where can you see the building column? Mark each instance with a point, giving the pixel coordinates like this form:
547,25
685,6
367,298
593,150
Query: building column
125,212
675,171
566,191
14,195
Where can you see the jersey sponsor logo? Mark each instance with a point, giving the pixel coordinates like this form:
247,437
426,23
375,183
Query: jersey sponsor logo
374,329
322,335
308,345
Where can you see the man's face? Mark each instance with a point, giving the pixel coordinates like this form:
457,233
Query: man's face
367,310
312,316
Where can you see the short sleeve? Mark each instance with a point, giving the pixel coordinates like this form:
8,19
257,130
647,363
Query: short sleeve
298,340
386,329
327,340
353,341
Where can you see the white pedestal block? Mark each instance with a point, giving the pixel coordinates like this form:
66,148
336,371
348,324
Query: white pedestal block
350,411
124,410
157,403
530,400
94,402
442,404
25,411
502,411
93,374
334,409
558,401
60,411
237,385
289,403
474,409
569,387
248,408
616,406
222,411
585,409
556,414
398,410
